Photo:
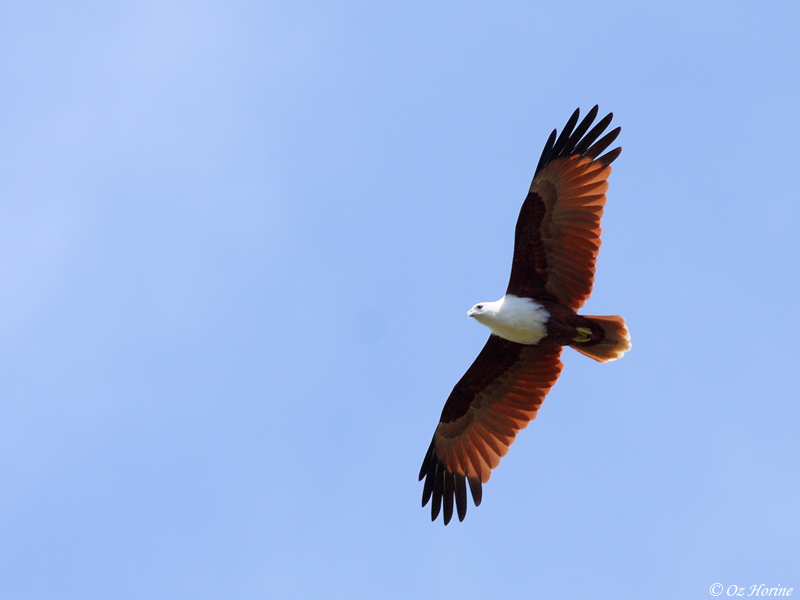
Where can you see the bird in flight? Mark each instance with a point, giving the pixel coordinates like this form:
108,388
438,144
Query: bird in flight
555,250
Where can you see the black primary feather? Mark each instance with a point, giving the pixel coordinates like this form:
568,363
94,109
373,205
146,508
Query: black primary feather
449,490
461,496
603,143
572,140
546,153
590,137
580,130
445,487
562,140
438,481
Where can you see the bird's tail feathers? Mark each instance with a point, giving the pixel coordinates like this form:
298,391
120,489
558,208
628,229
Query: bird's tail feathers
616,342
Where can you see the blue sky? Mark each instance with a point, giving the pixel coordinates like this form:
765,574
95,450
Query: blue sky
239,241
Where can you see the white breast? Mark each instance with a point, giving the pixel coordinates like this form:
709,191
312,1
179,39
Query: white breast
519,320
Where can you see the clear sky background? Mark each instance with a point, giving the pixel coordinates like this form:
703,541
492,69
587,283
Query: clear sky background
238,244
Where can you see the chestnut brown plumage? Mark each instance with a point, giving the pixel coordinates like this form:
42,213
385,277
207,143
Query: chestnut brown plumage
557,240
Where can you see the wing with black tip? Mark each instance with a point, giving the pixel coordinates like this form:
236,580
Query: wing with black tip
498,395
558,231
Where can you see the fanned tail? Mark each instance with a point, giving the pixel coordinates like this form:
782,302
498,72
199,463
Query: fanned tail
615,343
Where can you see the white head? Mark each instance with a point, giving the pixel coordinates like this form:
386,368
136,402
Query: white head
485,312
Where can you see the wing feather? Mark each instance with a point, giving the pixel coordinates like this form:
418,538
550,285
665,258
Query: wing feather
497,397
590,137
558,231
581,129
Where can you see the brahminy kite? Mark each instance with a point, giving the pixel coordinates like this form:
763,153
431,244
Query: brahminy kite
556,244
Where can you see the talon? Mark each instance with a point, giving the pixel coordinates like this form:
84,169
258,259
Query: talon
585,334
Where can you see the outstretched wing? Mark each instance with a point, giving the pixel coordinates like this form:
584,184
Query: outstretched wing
497,396
558,229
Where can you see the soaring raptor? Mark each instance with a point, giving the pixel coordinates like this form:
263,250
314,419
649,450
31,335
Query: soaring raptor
555,249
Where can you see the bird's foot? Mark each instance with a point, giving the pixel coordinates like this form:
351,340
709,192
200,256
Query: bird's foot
584,334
